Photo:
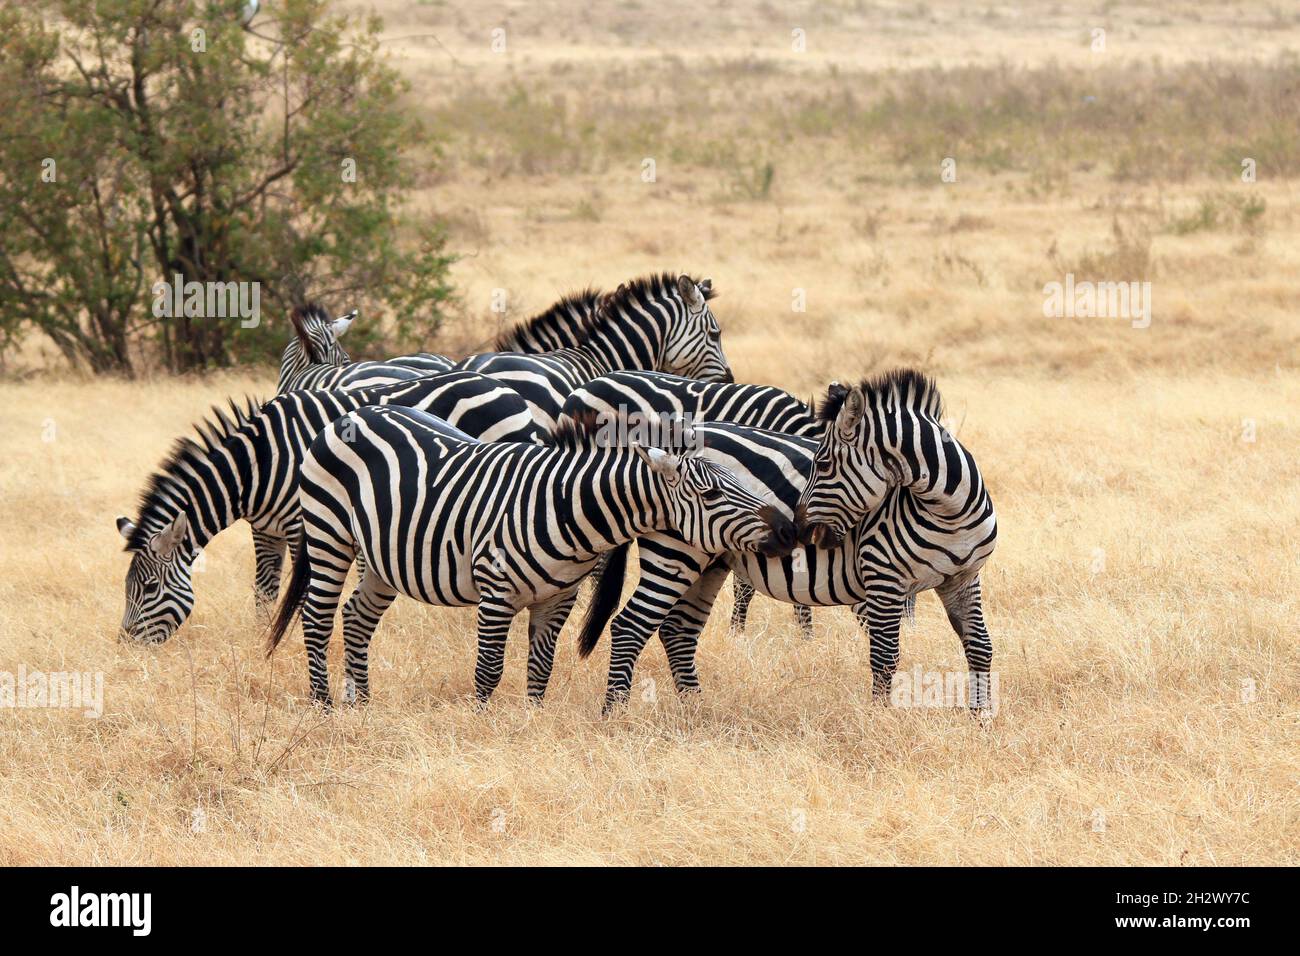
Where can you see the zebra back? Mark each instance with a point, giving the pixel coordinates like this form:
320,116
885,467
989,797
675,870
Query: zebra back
653,323
314,359
368,374
656,401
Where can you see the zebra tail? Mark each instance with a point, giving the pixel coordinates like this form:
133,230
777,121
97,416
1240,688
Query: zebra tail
292,599
609,588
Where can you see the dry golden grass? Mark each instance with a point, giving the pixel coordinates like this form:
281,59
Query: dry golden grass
1147,568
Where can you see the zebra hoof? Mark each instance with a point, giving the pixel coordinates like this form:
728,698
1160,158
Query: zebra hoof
612,706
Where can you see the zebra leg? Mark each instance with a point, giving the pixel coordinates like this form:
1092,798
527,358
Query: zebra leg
909,609
880,617
494,617
361,616
328,572
268,552
963,600
545,621
803,617
742,593
680,631
657,592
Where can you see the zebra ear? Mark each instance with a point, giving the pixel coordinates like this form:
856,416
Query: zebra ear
341,324
125,527
689,291
660,461
166,541
855,404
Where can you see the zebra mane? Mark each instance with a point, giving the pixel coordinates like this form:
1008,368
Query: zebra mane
299,317
581,313
574,315
166,486
905,387
580,431
646,290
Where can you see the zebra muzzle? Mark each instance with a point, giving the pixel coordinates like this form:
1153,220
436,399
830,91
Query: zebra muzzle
815,533
782,537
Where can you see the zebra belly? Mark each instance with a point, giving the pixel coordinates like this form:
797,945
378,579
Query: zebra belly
819,578
434,568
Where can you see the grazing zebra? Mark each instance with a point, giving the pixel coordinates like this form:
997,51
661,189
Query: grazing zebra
246,466
656,404
652,323
879,565
455,523
315,359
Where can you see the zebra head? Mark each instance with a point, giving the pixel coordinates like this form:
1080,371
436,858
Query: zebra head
712,511
878,435
693,347
159,588
315,341
849,477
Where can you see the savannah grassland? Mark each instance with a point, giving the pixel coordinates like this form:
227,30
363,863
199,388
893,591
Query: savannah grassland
1143,598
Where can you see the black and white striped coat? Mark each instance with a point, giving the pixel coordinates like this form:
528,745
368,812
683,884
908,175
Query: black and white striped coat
656,405
656,323
885,446
904,546
314,358
245,465
504,527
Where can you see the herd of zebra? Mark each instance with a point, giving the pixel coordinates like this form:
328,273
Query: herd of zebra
493,482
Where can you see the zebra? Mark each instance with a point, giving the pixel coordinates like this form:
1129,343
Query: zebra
886,435
878,566
655,323
313,358
245,465
656,402
455,523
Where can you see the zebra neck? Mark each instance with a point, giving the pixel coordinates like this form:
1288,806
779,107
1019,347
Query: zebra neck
934,467
615,499
292,364
624,342
207,502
